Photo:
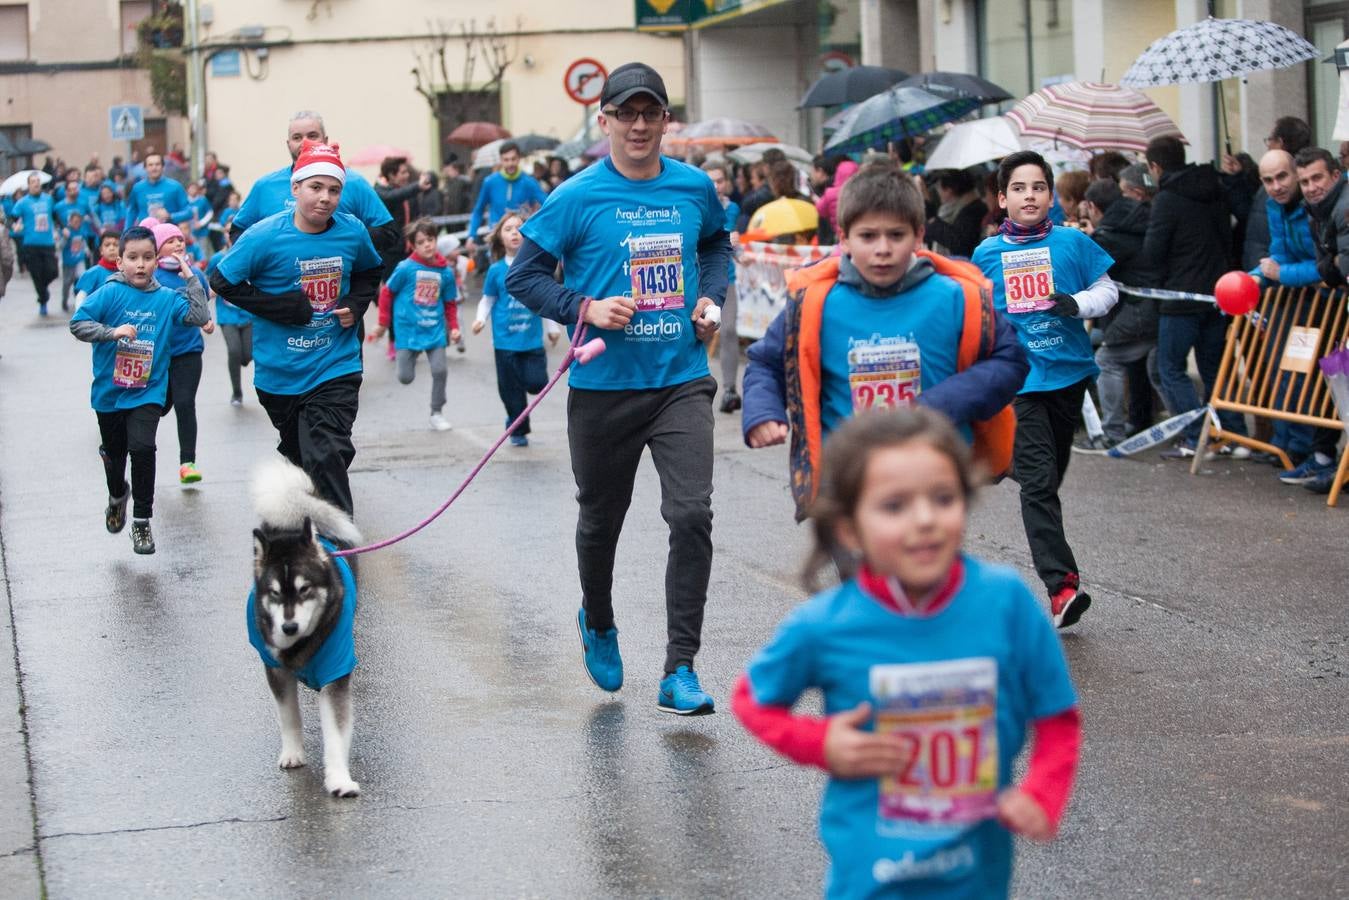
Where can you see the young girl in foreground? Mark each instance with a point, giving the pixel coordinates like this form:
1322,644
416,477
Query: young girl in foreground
931,663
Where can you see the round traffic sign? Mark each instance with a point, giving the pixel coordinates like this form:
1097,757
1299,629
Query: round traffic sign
584,80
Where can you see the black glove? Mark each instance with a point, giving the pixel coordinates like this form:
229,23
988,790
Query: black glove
1329,272
1064,304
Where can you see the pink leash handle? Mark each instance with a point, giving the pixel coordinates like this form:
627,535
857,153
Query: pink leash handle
576,351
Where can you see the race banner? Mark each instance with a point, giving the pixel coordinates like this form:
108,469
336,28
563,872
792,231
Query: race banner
761,281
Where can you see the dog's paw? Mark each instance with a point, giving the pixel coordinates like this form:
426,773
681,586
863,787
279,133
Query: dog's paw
291,759
341,786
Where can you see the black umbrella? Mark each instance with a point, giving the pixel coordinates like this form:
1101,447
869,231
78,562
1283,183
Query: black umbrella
29,146
7,147
850,85
970,85
531,143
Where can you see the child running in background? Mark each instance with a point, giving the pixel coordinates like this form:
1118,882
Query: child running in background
76,236
418,300
884,324
131,320
109,255
517,333
932,665
236,327
175,270
1046,280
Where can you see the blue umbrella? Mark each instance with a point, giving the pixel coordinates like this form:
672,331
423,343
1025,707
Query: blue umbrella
898,113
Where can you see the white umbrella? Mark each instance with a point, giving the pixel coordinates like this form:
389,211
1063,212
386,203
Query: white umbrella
752,153
488,155
20,180
971,143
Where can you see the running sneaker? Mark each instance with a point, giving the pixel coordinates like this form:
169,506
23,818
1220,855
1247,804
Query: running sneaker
188,474
236,400
730,400
42,310
1185,450
519,440
142,539
1235,451
681,694
439,422
1069,602
599,653
114,517
1308,472
1094,445
1323,482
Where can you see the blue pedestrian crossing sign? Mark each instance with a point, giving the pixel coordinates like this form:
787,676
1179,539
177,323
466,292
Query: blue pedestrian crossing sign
126,122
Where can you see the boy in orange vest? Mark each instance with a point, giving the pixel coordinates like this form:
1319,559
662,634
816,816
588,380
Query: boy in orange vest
884,325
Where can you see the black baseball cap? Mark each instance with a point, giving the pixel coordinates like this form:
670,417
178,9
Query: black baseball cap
631,79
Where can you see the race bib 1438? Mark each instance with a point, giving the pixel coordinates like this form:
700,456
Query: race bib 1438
656,262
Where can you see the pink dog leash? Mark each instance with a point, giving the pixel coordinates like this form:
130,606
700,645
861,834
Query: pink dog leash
578,351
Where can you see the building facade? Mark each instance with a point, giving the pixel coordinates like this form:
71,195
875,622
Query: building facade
352,61
63,65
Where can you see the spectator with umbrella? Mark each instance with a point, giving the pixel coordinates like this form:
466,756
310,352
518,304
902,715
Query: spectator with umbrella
956,227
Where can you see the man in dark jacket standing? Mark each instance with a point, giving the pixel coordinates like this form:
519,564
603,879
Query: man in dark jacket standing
1120,226
1188,243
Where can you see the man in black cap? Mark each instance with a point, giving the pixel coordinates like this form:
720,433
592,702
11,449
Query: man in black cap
645,251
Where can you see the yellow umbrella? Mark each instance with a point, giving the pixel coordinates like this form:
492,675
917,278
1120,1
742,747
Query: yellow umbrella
784,215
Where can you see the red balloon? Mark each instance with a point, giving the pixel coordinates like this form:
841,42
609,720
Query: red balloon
1237,293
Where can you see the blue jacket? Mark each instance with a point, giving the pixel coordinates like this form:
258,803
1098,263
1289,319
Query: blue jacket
501,196
1291,245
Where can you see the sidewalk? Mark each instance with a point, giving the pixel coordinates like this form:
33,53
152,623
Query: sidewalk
20,867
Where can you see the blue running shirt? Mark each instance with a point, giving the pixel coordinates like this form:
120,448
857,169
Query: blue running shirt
420,293
279,258
618,237
1066,260
514,325
271,194
963,684
185,340
128,374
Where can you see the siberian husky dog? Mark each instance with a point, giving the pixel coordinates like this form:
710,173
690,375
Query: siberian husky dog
301,612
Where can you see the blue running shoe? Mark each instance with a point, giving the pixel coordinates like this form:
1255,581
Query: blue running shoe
1308,472
519,440
599,652
682,695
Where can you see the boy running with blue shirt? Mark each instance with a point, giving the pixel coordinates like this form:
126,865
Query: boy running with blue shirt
1046,279
645,252
131,321
886,324
419,301
307,275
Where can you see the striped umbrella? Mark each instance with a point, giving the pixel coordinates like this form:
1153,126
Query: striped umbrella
897,113
1092,116
731,132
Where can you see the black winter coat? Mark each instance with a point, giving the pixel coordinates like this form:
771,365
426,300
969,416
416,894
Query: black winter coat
1189,236
1121,233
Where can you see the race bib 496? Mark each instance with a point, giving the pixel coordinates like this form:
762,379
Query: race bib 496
321,281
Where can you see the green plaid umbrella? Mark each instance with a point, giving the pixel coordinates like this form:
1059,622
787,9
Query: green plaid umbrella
897,113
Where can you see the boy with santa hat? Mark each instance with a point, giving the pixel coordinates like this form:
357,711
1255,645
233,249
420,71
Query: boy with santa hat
308,275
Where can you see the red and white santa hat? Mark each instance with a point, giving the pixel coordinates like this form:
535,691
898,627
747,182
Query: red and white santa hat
318,158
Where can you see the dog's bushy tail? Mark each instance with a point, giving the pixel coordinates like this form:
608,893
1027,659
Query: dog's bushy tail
283,495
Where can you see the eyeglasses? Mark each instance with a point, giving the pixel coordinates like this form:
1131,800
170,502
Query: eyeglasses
627,115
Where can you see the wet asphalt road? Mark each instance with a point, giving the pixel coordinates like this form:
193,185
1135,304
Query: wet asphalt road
1212,668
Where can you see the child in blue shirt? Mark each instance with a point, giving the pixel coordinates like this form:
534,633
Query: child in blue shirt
177,271
884,324
419,301
932,665
76,235
131,320
202,214
109,256
1046,280
236,327
109,211
307,274
517,333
